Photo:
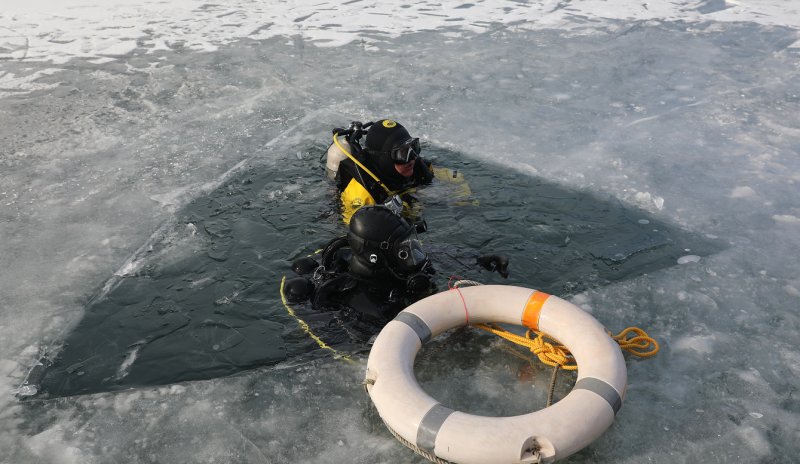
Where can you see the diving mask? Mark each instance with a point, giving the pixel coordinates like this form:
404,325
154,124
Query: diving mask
406,152
409,255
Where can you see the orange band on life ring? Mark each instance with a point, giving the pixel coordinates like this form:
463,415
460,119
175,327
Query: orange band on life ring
530,316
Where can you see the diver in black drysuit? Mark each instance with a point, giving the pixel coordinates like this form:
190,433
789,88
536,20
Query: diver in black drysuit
375,271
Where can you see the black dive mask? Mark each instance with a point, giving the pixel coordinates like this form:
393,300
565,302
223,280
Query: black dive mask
411,264
409,255
405,152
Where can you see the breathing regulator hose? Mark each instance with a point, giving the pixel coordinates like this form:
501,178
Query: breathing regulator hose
359,163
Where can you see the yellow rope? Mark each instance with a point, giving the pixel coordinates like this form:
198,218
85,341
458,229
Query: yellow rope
307,329
633,340
554,354
336,141
551,354
640,344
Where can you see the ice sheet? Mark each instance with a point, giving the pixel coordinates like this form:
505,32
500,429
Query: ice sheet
688,110
60,30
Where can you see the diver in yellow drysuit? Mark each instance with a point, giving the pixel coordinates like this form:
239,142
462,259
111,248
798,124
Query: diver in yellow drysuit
385,171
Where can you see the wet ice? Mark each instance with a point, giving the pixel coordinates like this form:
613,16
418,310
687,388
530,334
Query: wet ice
120,132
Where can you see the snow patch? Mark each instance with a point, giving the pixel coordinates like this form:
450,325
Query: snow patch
791,290
786,218
648,200
123,402
688,259
755,439
51,447
698,344
125,368
742,192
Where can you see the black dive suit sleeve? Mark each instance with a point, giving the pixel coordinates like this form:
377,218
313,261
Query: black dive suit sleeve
422,172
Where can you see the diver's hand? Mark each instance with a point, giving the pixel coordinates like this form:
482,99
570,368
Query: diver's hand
497,263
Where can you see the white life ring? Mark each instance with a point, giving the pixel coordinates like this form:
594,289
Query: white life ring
542,436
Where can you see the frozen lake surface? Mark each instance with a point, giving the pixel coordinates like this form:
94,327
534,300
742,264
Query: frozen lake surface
115,118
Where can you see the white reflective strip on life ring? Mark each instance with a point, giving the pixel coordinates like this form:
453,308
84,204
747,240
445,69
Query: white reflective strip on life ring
555,432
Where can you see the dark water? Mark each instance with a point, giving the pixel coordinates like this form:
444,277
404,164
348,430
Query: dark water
204,301
472,371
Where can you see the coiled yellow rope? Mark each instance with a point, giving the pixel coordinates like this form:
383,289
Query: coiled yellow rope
549,353
633,340
640,344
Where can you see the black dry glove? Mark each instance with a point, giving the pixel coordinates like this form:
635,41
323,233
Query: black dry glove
497,263
305,265
298,289
420,225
